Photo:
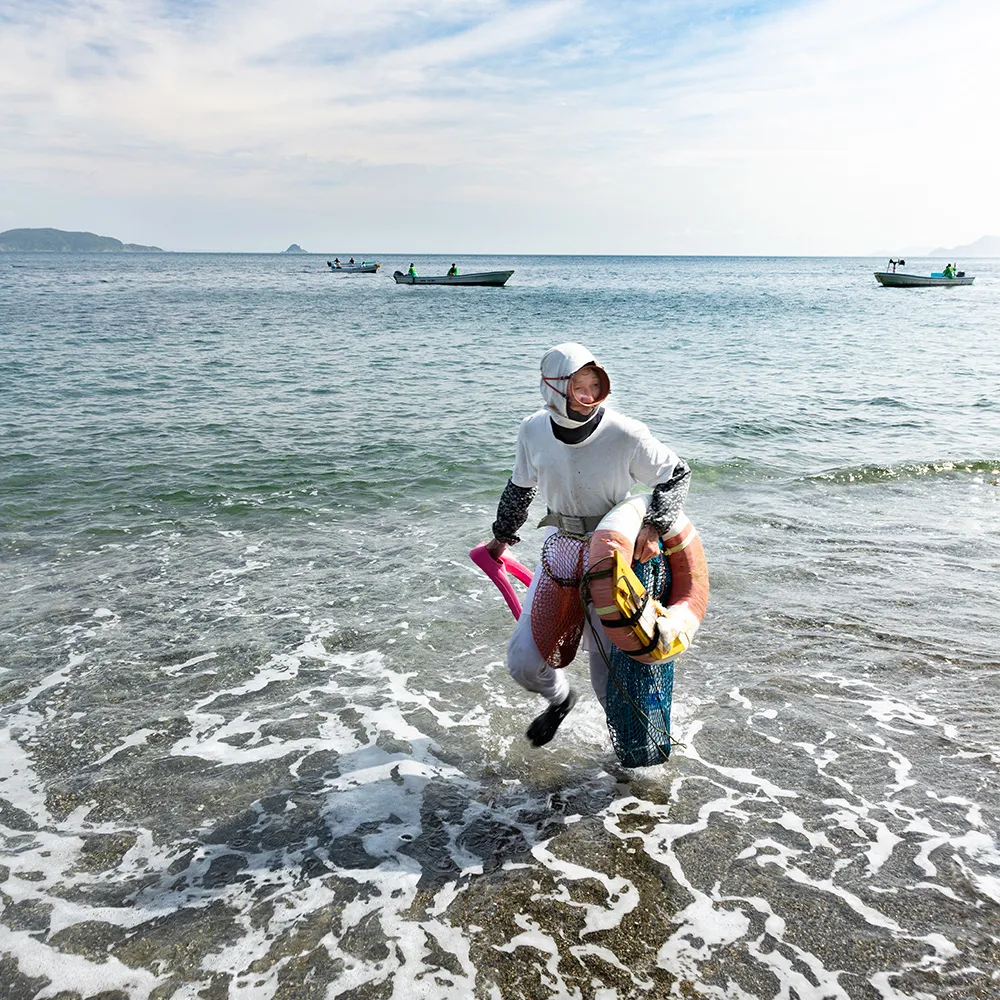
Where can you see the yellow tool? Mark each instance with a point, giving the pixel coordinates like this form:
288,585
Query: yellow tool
636,607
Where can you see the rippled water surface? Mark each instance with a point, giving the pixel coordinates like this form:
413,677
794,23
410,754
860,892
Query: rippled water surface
256,735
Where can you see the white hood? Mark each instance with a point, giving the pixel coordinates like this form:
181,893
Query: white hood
558,364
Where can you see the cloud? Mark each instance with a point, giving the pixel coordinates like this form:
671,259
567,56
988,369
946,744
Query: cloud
809,126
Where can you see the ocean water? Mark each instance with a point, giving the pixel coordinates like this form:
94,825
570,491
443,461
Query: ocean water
257,739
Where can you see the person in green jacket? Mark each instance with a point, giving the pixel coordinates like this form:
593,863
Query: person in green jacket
949,270
412,271
452,270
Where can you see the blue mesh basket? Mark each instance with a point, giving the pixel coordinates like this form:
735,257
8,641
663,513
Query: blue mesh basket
639,695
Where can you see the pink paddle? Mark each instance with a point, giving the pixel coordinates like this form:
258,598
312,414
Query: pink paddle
497,572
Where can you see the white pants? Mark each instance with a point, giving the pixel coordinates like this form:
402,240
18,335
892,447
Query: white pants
529,669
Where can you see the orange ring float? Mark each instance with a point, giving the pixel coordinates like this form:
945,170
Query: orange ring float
633,621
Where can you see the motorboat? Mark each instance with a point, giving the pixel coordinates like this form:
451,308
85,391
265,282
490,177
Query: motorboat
892,279
494,278
365,267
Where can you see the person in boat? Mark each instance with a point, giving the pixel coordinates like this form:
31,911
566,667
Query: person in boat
351,261
453,270
581,459
412,271
336,262
949,271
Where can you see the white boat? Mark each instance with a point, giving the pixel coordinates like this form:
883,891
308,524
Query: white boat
494,278
365,267
890,279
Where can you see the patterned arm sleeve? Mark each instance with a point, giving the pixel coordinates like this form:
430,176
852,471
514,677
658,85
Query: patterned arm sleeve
512,512
668,499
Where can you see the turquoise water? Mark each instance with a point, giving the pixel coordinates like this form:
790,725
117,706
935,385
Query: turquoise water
258,739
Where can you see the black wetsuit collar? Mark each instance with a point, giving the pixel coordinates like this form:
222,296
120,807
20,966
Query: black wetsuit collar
574,435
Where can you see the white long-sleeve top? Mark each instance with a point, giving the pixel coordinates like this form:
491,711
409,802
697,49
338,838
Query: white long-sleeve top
589,478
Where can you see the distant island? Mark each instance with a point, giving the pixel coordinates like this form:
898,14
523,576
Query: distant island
295,248
59,241
985,246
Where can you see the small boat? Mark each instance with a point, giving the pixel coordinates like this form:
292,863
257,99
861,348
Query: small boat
890,279
365,267
494,278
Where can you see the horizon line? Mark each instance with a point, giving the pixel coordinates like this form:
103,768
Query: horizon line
494,253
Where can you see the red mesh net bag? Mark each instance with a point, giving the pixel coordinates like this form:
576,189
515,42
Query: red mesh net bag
557,610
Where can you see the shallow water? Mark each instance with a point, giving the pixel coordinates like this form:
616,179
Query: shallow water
258,739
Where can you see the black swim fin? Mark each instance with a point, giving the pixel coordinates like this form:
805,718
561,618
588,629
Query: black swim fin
544,727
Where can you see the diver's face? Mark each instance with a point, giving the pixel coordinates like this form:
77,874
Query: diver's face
584,392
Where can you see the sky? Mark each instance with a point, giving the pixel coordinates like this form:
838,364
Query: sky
503,126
